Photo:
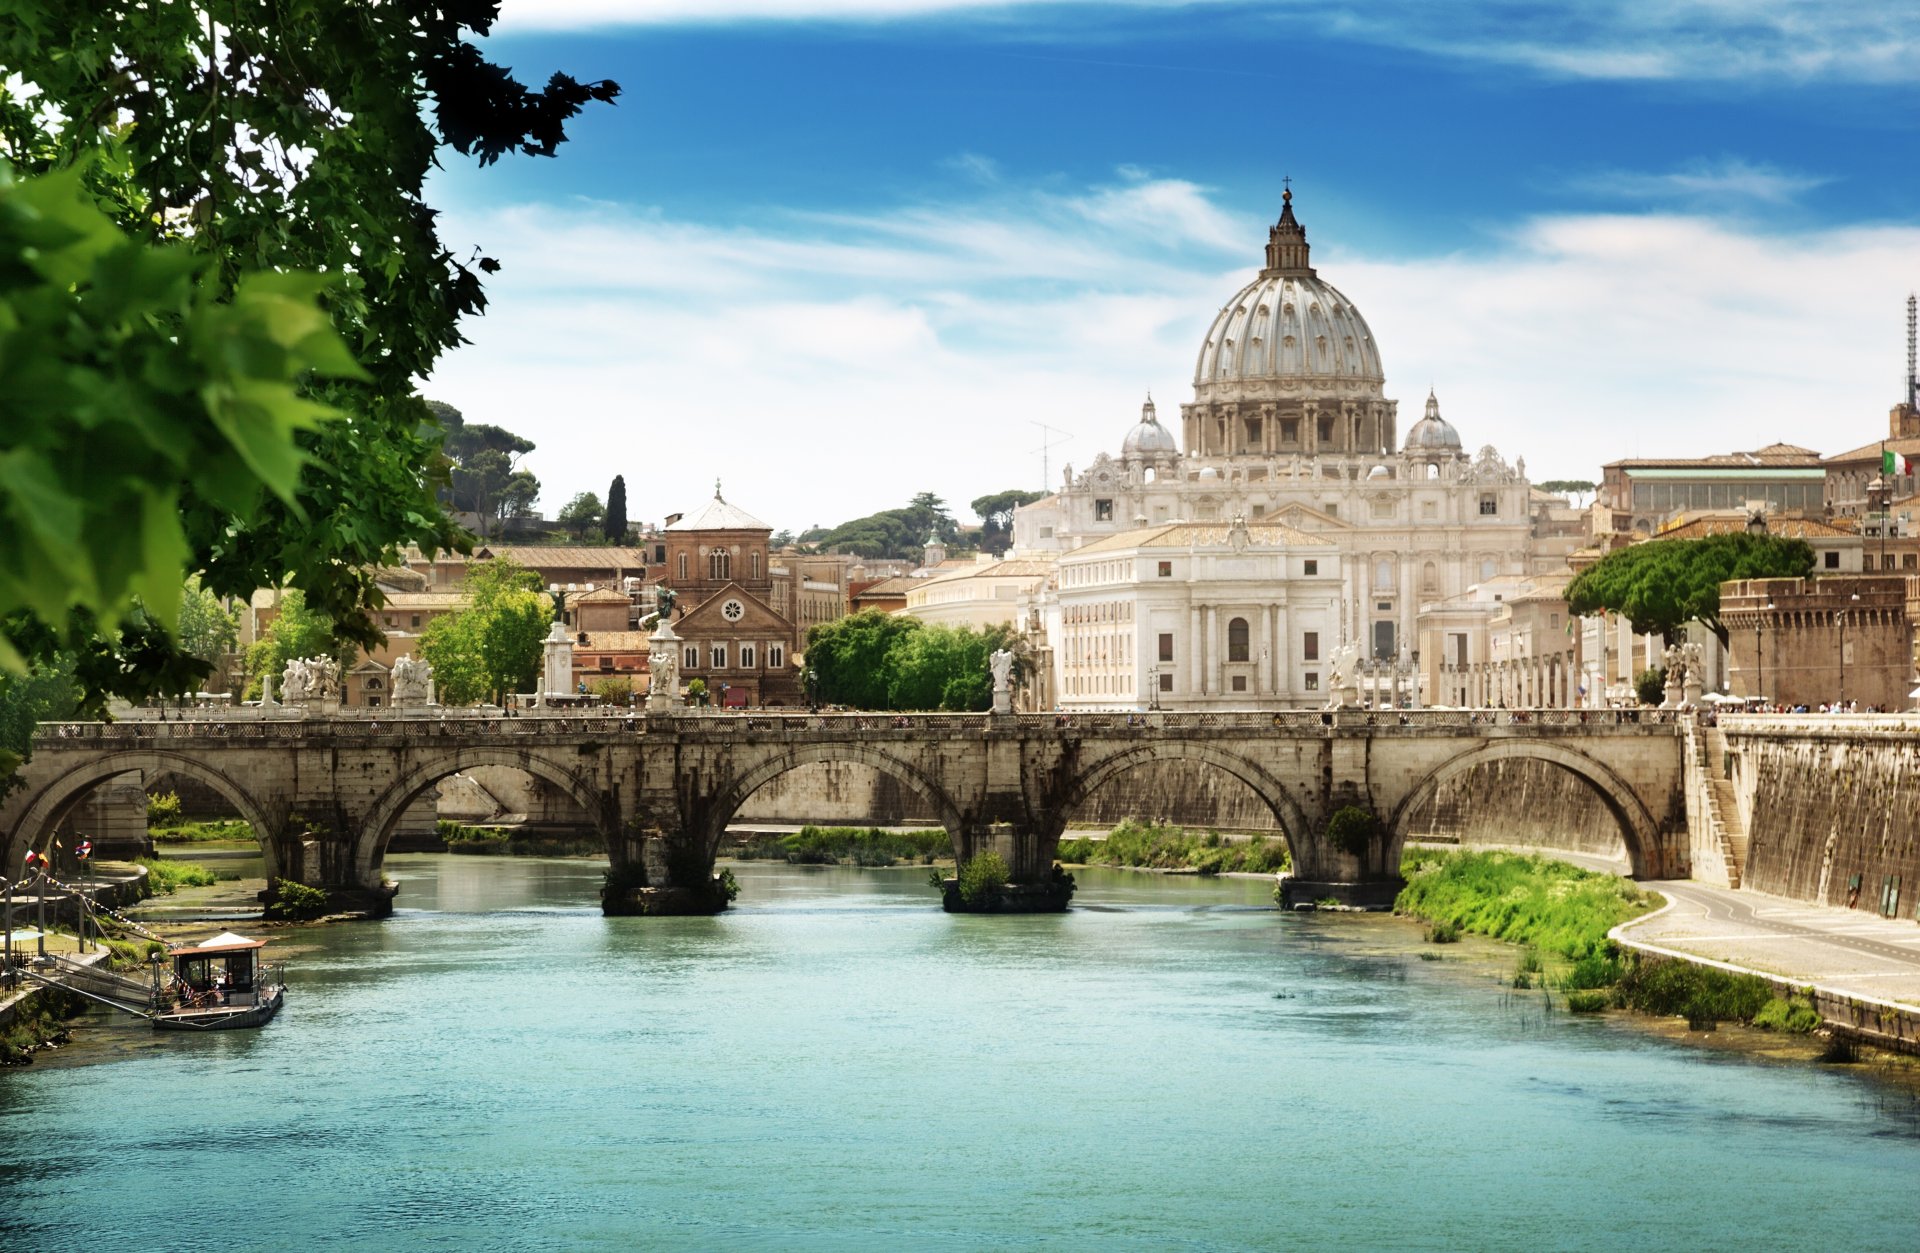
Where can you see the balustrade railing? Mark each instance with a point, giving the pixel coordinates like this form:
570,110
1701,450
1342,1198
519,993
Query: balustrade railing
800,723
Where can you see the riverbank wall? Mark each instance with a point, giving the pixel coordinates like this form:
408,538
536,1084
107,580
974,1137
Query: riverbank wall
1831,807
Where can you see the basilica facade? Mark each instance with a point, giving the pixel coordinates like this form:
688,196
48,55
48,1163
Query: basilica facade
1290,424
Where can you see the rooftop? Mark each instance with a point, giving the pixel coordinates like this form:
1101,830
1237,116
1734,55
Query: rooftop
1260,534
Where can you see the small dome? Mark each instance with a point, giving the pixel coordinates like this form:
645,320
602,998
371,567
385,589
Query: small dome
1379,472
1432,432
1208,472
1148,438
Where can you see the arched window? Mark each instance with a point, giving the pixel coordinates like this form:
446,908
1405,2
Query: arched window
683,567
1430,578
1237,640
719,565
753,563
1383,575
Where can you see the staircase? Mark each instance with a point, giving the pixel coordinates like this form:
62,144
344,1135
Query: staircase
1723,809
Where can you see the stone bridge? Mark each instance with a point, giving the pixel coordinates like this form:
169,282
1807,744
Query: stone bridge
324,793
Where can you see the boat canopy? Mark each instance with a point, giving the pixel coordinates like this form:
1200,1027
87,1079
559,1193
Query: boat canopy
225,942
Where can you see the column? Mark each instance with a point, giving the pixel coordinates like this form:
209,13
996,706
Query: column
1280,662
1193,651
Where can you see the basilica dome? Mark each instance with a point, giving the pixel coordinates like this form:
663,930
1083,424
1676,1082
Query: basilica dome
1148,438
1288,332
1433,433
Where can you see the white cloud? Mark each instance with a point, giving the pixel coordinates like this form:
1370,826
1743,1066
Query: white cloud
827,367
1728,181
1603,39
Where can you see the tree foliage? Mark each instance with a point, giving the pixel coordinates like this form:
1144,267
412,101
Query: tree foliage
297,630
48,692
614,524
582,514
492,647
209,627
875,660
897,533
1661,585
996,517
268,143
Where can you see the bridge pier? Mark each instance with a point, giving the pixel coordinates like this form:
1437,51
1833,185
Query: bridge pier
662,873
1035,882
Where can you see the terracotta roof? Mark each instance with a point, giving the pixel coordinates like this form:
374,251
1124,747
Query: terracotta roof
718,515
1017,569
425,600
543,557
600,596
1701,526
1263,534
1871,452
614,642
898,585
1771,455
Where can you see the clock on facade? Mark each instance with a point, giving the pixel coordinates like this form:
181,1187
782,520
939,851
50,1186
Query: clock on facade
732,610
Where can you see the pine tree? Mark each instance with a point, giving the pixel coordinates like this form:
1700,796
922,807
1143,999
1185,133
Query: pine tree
615,526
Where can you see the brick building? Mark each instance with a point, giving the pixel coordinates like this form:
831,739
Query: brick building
717,562
1817,641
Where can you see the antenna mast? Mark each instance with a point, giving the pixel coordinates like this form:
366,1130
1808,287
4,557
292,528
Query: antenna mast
1046,470
1913,375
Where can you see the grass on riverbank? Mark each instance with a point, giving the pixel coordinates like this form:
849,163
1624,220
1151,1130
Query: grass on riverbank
852,846
1161,846
1521,898
1552,907
514,841
218,830
165,877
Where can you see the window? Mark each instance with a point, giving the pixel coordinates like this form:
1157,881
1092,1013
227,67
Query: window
1046,532
1429,509
1313,681
719,565
1830,559
416,622
1103,511
1166,681
683,567
1166,646
1310,645
1331,509
719,652
1253,428
1289,430
374,685
1383,508
692,658
1384,606
1259,511
1907,561
1383,575
753,564
1486,568
773,657
1311,568
606,663
659,554
1326,429
746,656
1489,505
1237,640
1166,569
1239,682
1553,621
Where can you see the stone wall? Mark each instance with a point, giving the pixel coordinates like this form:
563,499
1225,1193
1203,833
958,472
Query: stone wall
1530,803
1832,807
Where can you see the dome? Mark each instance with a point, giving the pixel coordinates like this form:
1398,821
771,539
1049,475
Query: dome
1148,438
1432,432
1289,326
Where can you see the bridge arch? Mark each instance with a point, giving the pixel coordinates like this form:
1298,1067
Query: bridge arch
1294,825
59,797
1638,829
735,793
370,842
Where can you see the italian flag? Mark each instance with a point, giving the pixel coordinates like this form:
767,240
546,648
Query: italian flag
1892,462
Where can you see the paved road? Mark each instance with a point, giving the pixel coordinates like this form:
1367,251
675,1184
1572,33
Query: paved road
1886,939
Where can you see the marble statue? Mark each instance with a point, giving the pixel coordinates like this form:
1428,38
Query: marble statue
411,680
296,682
1001,663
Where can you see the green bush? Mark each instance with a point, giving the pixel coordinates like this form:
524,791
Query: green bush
1521,898
1794,1015
1596,970
295,902
1651,685
832,846
983,879
1700,994
1167,847
729,885
219,830
1442,932
1352,830
168,877
1587,1002
163,810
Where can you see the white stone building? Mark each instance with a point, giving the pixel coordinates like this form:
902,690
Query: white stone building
1190,615
1290,423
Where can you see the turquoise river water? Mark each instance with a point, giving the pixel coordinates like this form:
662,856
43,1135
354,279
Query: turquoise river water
836,1064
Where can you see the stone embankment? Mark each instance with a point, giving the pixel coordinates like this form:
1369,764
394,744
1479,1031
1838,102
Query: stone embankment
1830,807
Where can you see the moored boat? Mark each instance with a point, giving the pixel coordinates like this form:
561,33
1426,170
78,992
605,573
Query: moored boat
219,984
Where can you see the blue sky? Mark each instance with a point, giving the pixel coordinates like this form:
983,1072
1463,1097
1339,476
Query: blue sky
839,251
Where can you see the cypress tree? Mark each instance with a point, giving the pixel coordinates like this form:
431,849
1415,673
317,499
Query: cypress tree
615,524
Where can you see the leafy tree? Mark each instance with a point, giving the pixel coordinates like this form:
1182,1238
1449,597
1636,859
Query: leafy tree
297,630
697,692
849,657
780,539
46,693
582,514
1575,488
931,515
209,627
614,526
1661,585
1651,685
900,533
1353,829
492,647
520,495
272,142
996,517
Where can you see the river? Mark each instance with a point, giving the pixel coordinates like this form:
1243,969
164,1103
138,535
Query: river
836,1064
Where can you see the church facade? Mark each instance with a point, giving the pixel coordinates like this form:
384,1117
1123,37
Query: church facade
1290,423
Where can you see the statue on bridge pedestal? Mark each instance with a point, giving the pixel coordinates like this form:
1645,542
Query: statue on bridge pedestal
663,660
1001,663
1342,678
412,682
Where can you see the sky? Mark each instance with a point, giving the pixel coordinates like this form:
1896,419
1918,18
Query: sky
836,252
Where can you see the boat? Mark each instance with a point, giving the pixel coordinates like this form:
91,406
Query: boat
219,984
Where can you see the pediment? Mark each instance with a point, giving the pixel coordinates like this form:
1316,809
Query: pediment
710,617
1306,518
